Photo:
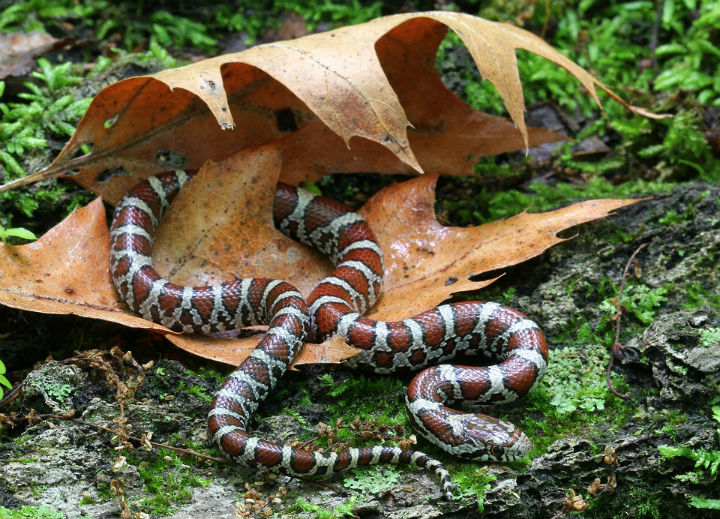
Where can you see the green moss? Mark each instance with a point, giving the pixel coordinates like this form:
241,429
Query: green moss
359,396
24,461
139,26
696,295
641,502
103,490
49,110
38,490
168,480
474,479
671,218
672,418
573,398
639,300
372,479
709,336
337,512
707,460
197,391
486,205
30,512
58,392
87,501
619,237
297,417
207,373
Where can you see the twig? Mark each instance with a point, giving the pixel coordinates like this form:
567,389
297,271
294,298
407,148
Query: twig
654,38
135,438
11,395
547,19
617,346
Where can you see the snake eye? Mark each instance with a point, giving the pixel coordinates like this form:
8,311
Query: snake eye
497,452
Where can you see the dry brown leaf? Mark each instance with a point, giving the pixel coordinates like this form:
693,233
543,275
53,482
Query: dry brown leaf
221,226
356,81
66,271
18,51
426,262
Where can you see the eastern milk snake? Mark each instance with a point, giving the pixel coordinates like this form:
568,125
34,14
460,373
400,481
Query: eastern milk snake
336,305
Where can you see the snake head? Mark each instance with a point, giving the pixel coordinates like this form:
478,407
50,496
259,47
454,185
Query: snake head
494,439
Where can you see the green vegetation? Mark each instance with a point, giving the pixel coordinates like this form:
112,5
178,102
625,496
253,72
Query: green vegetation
168,479
666,149
30,512
682,81
573,394
640,301
350,398
338,512
649,156
372,479
135,27
3,380
16,232
697,295
705,459
674,218
487,205
106,19
709,336
197,391
58,392
332,13
49,111
472,478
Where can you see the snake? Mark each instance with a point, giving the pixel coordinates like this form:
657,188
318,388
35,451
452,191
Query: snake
514,345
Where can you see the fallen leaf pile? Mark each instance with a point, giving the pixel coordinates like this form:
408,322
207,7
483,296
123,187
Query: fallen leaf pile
361,98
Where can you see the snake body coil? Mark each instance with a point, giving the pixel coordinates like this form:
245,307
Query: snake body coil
336,305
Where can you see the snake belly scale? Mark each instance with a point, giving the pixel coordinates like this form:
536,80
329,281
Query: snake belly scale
335,306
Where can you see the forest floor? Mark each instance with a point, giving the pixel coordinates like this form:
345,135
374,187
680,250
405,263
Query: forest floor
649,451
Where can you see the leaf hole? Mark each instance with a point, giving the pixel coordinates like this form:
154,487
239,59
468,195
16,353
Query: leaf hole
285,120
82,149
108,174
109,122
169,159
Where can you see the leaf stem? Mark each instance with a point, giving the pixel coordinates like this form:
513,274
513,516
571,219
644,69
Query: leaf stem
616,345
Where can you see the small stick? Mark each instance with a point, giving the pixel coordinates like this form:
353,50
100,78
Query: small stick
547,19
135,438
654,37
11,395
617,346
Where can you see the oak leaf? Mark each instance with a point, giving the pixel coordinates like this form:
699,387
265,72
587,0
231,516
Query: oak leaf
340,101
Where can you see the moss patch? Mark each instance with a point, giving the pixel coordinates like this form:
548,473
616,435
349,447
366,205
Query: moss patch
168,479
